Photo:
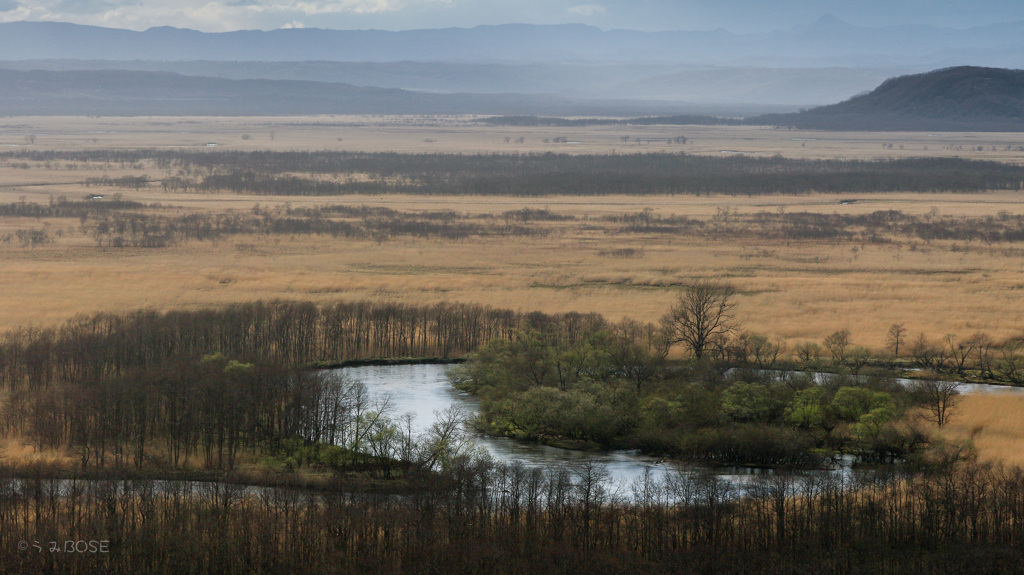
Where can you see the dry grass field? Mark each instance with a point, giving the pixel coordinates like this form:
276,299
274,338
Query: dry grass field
993,423
797,290
460,134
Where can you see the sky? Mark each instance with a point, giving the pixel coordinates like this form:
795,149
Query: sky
742,16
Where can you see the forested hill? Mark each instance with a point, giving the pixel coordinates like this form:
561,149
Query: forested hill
964,98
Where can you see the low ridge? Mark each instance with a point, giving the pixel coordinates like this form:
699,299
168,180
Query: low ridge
964,98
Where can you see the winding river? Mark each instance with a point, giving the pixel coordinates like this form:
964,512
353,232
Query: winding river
425,390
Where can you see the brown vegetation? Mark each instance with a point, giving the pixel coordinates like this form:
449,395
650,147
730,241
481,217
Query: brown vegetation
478,517
992,423
803,266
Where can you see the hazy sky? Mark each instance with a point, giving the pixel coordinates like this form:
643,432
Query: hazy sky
734,15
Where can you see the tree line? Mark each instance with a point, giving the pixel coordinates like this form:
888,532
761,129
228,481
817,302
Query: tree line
217,413
313,173
478,516
121,223
280,333
702,319
62,207
187,390
880,226
165,414
215,385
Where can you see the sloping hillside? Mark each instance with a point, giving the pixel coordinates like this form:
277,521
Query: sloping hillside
965,98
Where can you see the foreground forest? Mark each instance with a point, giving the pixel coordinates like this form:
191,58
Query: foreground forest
478,517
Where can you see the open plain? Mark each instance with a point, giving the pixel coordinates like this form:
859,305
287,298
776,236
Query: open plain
579,254
464,134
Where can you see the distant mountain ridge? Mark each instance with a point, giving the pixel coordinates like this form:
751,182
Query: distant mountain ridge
134,93
964,98
743,90
827,42
710,72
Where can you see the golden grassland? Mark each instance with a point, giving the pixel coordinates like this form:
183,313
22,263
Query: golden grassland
993,423
797,290
22,451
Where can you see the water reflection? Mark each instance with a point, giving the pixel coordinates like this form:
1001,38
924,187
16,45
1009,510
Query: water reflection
425,390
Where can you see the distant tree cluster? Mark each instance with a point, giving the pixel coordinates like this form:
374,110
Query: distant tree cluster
881,226
313,173
120,223
61,207
126,182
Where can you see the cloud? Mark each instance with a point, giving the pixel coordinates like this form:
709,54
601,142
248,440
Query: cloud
734,15
355,6
587,9
206,15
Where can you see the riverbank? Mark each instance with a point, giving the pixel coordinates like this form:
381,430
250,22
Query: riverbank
384,361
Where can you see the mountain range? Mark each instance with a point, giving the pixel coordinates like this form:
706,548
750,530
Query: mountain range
699,72
827,42
134,93
952,99
561,70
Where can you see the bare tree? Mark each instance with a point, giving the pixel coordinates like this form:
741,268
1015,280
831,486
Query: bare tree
927,355
983,346
1011,362
446,439
897,335
959,351
939,398
756,349
808,352
837,344
700,316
